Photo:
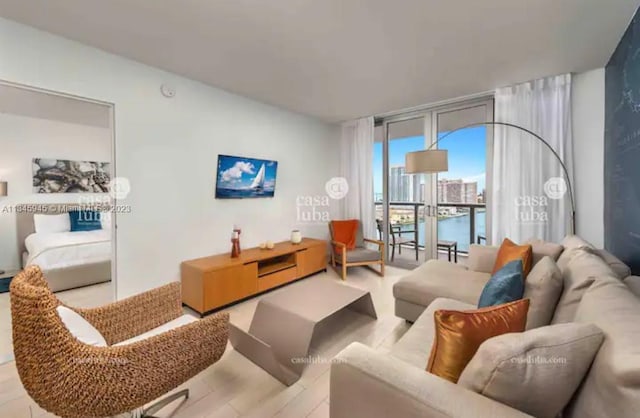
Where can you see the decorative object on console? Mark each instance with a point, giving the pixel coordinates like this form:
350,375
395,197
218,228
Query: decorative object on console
237,231
434,160
240,177
65,176
458,334
235,244
270,245
506,285
296,236
510,251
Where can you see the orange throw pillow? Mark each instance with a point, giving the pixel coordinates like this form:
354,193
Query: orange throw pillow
510,251
460,333
345,233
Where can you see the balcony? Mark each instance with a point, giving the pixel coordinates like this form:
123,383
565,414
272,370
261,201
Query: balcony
464,223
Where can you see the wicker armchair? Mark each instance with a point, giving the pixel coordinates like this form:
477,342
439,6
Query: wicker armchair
72,379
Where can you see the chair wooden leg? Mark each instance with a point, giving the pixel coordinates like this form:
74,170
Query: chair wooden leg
382,268
344,272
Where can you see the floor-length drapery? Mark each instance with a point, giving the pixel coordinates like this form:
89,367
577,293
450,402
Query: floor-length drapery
529,190
356,166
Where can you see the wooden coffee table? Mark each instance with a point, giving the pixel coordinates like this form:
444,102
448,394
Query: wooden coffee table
284,323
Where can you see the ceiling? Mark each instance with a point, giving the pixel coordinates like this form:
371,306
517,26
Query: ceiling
340,59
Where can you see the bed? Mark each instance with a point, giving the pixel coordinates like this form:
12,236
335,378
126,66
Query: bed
68,259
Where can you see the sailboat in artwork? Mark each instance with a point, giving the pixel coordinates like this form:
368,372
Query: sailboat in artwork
258,181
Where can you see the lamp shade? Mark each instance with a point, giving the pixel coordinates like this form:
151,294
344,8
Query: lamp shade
429,161
3,188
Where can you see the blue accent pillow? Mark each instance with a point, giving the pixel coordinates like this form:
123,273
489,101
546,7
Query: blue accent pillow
85,220
506,285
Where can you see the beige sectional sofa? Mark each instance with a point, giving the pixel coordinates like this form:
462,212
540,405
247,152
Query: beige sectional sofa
370,383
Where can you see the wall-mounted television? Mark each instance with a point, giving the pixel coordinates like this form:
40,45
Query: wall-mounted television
242,177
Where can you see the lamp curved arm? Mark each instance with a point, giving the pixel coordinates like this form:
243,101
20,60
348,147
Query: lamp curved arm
539,138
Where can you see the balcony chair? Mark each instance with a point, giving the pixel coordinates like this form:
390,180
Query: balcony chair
134,350
359,254
399,240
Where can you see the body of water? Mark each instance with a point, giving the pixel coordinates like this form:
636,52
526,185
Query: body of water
454,229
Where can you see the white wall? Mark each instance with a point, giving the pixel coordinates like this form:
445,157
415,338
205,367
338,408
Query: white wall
22,139
168,149
588,134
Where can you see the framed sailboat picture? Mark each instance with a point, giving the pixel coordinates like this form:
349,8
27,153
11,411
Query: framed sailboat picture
240,177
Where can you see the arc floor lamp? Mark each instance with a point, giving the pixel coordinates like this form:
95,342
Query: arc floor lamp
433,160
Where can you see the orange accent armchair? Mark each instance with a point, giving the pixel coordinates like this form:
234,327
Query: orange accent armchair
358,256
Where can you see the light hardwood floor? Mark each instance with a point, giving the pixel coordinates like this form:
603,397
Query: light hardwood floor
235,387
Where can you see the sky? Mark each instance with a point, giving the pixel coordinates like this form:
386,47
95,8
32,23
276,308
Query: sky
467,156
238,172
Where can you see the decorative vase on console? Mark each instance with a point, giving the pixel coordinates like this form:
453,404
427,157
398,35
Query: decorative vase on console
296,236
235,244
236,232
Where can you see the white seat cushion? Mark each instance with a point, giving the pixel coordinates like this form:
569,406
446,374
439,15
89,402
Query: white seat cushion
178,322
80,327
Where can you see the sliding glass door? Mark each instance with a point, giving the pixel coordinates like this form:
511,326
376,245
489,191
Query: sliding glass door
422,215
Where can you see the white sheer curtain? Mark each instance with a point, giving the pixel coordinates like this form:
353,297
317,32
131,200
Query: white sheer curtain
356,166
527,193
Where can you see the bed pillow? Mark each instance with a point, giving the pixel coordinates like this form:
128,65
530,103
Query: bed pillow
84,220
80,328
51,223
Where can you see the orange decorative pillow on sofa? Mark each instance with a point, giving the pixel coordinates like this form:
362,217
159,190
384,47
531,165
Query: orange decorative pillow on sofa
460,333
510,251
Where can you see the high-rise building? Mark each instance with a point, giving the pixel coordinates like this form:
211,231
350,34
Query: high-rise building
404,187
457,191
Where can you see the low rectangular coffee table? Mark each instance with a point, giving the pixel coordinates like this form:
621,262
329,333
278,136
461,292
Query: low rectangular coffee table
284,323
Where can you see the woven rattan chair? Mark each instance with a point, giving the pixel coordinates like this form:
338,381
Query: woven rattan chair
72,379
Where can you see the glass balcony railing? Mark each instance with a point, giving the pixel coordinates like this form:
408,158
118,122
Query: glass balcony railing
464,223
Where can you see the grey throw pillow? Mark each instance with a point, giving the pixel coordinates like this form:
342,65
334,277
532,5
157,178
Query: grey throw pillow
543,249
536,372
543,287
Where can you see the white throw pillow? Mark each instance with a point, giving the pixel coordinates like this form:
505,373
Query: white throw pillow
80,327
105,220
543,287
52,223
536,372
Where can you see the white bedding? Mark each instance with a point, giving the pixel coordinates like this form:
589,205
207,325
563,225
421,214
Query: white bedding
66,249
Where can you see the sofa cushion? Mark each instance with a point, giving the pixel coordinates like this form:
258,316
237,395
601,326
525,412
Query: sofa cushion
176,323
359,255
581,270
415,345
482,258
458,334
633,282
506,285
612,387
510,251
574,241
542,248
543,288
617,265
439,278
80,328
537,371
